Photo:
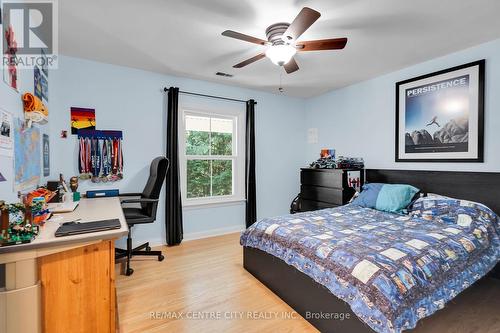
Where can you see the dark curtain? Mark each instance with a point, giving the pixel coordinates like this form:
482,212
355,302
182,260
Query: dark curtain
173,205
251,205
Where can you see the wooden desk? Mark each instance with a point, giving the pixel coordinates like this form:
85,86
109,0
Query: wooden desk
64,284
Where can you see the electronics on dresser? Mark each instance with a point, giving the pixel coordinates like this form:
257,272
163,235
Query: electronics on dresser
103,193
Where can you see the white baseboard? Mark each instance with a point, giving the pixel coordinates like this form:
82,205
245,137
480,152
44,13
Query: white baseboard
197,235
213,232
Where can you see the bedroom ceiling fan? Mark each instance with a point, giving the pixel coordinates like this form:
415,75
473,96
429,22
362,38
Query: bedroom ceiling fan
282,41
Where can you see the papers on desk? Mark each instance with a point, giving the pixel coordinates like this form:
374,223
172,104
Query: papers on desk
63,207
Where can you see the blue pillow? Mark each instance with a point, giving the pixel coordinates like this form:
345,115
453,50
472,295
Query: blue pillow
392,198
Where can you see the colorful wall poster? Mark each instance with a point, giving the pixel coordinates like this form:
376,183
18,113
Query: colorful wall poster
46,155
9,57
45,64
27,155
45,88
440,116
6,135
38,82
82,118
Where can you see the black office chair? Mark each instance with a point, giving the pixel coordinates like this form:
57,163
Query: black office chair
146,213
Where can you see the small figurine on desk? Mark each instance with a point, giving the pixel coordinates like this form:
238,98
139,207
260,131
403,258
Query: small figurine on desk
73,184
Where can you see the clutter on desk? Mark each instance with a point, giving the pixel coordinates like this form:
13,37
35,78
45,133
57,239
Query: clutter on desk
59,187
328,160
100,155
102,193
16,223
34,110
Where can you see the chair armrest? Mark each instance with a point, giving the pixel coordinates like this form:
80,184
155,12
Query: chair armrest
130,194
140,200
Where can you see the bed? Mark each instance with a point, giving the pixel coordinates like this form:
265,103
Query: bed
353,269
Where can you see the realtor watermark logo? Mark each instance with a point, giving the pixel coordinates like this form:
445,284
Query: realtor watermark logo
29,33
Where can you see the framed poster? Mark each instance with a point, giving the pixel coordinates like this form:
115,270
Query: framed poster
440,116
82,118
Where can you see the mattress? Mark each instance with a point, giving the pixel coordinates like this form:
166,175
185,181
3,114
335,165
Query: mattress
391,269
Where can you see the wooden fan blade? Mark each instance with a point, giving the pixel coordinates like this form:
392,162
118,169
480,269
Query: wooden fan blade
246,38
322,44
302,22
291,66
249,61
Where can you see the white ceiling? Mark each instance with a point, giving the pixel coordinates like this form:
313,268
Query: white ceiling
183,37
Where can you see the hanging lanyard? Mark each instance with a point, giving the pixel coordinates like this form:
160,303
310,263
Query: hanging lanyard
81,159
87,156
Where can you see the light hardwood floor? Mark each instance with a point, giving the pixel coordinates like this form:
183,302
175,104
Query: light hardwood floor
206,277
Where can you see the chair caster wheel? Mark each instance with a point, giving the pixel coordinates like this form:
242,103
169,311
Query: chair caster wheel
129,271
161,257
148,248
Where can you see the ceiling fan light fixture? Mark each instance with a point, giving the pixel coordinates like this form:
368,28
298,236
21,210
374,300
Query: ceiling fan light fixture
280,54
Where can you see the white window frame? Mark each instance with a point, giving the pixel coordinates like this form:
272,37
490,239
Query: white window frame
238,157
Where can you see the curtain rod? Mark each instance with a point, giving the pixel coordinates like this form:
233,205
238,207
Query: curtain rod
208,96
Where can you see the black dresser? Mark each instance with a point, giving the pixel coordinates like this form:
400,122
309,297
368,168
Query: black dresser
325,188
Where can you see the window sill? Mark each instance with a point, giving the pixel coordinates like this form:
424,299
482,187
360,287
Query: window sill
200,205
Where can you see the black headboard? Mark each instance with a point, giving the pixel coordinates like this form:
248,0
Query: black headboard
483,187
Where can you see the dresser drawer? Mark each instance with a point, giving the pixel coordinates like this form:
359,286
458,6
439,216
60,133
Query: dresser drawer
322,178
308,205
324,194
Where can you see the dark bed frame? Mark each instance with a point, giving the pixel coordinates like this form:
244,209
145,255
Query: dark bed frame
311,300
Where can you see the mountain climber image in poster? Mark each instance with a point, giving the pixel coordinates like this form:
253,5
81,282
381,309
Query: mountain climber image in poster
440,117
437,117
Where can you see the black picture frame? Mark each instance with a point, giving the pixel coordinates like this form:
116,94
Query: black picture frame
480,64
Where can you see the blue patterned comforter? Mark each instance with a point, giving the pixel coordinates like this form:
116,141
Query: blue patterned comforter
391,269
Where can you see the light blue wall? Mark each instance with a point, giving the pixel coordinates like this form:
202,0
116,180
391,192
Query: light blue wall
359,120
133,101
10,101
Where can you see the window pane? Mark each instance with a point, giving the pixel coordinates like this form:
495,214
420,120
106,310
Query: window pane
222,136
222,177
197,135
198,178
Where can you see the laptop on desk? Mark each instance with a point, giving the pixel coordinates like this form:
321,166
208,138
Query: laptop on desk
76,228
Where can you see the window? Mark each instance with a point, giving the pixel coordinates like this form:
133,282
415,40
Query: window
212,157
